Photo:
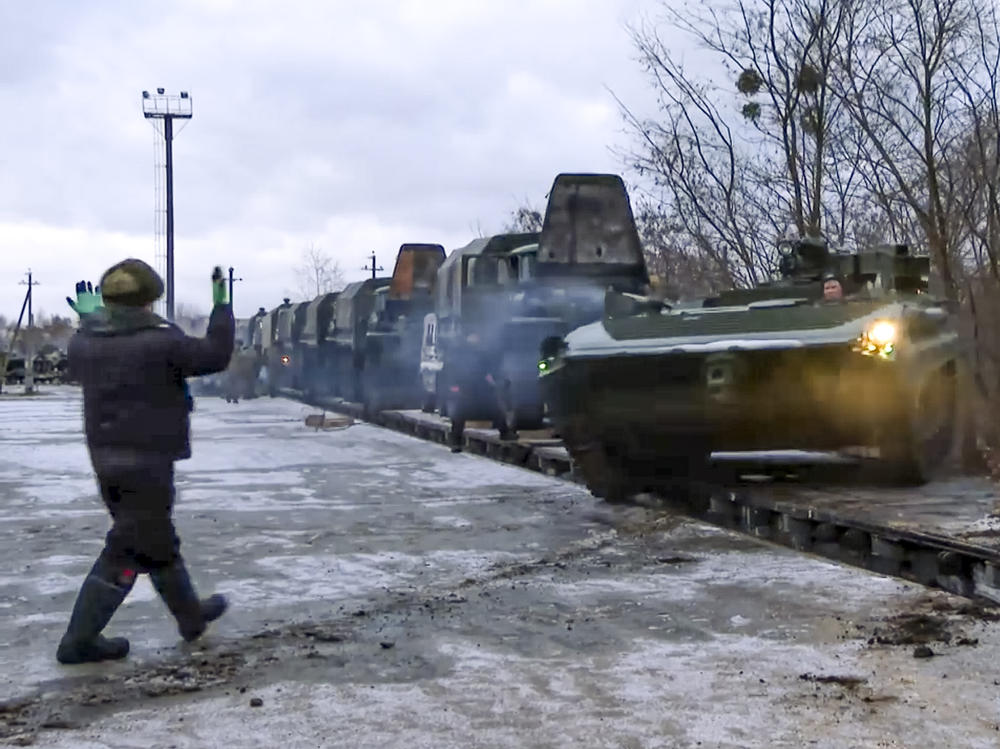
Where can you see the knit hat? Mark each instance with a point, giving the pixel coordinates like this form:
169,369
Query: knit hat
131,283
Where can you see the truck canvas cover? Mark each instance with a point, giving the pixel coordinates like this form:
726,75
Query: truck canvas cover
589,221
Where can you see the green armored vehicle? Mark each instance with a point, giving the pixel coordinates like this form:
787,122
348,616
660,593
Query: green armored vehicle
844,351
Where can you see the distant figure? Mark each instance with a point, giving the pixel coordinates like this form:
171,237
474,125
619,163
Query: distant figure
833,290
132,366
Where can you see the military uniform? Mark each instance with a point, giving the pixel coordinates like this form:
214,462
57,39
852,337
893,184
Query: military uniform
132,367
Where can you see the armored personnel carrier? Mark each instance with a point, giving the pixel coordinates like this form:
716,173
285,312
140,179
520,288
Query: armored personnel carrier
645,395
390,375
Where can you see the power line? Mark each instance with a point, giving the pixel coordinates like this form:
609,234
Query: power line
373,269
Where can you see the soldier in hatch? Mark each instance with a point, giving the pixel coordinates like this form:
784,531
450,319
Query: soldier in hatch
833,289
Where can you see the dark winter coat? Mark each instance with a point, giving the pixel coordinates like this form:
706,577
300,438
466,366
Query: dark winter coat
131,364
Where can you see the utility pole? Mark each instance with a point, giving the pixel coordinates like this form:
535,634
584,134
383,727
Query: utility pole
29,357
168,108
231,279
373,269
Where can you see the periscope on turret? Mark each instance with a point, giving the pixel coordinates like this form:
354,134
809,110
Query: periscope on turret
646,394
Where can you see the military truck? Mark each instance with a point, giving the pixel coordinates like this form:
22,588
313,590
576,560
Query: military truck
15,370
272,360
390,375
348,333
286,371
588,243
462,341
316,359
644,396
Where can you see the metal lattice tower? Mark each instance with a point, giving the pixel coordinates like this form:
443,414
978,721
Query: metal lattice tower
159,213
162,110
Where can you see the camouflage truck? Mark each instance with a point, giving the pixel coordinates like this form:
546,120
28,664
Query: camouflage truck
314,354
272,361
348,336
588,243
390,375
463,337
285,364
644,396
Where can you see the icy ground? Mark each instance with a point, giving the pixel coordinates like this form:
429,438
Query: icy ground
388,593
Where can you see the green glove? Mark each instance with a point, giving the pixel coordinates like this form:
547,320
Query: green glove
88,299
220,293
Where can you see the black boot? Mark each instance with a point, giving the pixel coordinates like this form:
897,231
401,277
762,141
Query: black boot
96,603
192,615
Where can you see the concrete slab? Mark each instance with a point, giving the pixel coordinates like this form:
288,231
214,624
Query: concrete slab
389,593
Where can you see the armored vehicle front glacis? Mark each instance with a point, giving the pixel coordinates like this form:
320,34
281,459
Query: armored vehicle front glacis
644,396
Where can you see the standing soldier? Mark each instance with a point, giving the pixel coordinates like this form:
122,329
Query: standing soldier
132,366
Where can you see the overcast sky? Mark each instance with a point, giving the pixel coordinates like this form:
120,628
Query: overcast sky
355,126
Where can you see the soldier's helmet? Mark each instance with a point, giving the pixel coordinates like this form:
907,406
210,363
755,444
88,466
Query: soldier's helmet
131,283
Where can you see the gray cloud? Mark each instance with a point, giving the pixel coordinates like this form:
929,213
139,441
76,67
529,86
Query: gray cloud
356,126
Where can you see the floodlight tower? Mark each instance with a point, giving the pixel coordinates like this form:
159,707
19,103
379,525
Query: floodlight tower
167,107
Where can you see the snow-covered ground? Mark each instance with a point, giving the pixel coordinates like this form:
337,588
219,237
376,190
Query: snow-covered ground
388,593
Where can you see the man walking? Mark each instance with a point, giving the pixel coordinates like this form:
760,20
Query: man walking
132,367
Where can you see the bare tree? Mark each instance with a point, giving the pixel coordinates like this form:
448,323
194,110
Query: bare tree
317,273
524,218
735,170
904,74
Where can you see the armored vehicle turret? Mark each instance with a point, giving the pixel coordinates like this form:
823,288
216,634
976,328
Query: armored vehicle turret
843,350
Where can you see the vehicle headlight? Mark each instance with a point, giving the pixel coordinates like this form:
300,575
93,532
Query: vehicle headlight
879,339
552,349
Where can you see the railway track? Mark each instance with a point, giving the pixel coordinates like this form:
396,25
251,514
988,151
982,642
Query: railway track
937,536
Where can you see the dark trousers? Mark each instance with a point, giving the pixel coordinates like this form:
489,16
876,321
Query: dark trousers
139,494
140,498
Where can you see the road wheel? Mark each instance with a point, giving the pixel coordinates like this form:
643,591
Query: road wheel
917,451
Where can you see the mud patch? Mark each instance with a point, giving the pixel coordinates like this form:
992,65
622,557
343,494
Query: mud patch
913,629
849,682
934,619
